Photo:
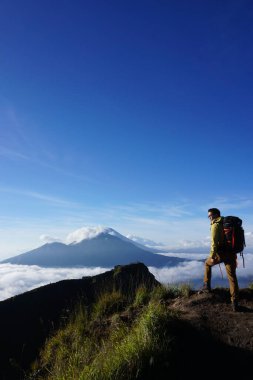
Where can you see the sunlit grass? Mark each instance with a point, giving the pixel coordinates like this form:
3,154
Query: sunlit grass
115,339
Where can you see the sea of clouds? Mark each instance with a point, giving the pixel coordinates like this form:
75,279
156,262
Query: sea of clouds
17,279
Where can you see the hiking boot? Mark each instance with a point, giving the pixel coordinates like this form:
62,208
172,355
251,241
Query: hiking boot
235,306
206,288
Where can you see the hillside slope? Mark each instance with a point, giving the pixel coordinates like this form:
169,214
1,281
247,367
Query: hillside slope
192,335
176,335
28,319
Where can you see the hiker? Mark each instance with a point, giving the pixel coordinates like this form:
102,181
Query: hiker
218,254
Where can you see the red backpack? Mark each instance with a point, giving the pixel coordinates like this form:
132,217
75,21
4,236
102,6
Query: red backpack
234,235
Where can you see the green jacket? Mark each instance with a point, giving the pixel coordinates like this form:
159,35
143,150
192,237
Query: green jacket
217,236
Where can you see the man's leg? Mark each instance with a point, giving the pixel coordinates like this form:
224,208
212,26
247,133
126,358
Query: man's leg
208,270
233,283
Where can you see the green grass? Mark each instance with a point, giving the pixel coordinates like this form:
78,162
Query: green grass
165,292
109,303
117,339
142,297
129,351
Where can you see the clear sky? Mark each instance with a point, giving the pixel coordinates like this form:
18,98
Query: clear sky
136,115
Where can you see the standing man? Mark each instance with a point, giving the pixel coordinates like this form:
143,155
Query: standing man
219,255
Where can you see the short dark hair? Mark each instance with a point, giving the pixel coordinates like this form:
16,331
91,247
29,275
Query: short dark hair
214,211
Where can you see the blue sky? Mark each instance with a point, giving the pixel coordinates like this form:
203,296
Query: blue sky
135,115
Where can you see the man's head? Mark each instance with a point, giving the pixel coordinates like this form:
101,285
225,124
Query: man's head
213,213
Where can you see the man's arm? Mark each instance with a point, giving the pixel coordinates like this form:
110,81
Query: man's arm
215,235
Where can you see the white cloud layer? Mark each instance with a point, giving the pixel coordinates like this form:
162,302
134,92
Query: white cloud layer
147,242
48,239
17,279
83,233
88,233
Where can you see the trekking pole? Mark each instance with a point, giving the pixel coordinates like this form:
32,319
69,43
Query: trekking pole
221,272
241,254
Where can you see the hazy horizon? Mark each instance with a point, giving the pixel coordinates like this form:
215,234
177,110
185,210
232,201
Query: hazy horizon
16,279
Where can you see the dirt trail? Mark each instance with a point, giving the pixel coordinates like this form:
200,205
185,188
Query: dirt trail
213,312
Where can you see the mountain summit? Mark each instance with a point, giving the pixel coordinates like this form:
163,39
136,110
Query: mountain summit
92,247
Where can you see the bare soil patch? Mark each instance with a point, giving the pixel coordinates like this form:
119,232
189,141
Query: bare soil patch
212,312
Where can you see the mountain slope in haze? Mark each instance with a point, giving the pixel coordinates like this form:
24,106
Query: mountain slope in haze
105,249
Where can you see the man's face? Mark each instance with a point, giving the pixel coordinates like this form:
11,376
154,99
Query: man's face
212,216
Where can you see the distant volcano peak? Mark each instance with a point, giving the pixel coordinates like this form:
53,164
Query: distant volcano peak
92,247
87,233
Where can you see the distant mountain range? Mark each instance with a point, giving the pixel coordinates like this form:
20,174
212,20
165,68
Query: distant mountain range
106,249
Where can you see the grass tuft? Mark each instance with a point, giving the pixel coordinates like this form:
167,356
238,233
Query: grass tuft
129,351
109,303
114,340
142,296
